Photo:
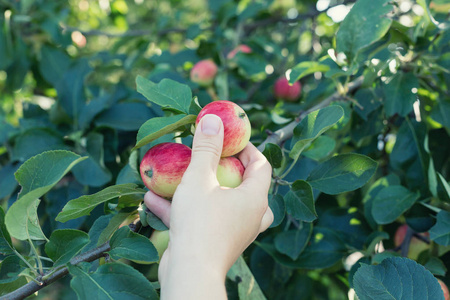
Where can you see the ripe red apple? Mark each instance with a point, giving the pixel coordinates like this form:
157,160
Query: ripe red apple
444,289
284,91
236,125
241,48
160,239
230,172
163,167
204,72
415,247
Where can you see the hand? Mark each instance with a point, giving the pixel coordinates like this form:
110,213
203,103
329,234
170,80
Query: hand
210,226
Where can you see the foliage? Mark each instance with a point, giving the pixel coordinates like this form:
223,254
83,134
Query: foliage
86,87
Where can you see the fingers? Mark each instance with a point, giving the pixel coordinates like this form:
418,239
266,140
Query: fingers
159,206
267,220
258,172
206,149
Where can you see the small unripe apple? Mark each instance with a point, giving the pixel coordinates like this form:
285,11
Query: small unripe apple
204,72
415,247
444,289
241,48
284,91
163,166
230,172
236,125
160,239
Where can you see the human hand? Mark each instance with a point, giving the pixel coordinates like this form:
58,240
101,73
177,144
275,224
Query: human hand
210,226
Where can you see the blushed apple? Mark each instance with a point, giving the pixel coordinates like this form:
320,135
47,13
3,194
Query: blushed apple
160,239
163,166
444,289
204,72
415,247
236,125
230,172
284,91
241,48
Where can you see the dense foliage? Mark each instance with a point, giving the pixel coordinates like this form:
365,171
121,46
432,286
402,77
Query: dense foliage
86,87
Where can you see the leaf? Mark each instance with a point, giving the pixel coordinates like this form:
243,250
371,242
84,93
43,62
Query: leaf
273,154
157,127
154,222
276,204
320,148
300,202
396,278
399,98
248,288
436,266
83,205
133,246
440,232
293,242
36,176
6,246
342,173
65,244
114,224
94,232
10,268
365,24
312,126
111,281
441,113
53,63
7,181
391,202
168,93
127,116
306,68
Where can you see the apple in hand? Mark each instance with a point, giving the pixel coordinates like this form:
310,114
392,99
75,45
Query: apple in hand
204,72
444,289
415,247
163,166
236,125
230,172
284,91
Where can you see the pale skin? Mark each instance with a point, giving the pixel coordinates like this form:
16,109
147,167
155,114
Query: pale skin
210,226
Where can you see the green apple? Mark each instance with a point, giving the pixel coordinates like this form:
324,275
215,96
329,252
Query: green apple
230,172
160,239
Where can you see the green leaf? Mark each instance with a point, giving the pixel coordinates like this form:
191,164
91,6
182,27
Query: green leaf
7,180
65,244
273,154
133,246
306,68
300,202
391,202
365,24
83,205
36,176
320,148
293,242
276,204
436,266
441,113
10,268
6,246
154,222
440,232
53,63
248,288
111,281
312,126
96,230
127,116
396,278
157,127
114,224
168,93
342,173
399,97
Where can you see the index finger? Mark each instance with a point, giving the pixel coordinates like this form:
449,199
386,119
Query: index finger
258,171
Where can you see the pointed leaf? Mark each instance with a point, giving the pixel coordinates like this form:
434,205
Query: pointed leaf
293,242
273,154
306,68
6,246
300,202
399,96
278,207
65,244
248,288
440,232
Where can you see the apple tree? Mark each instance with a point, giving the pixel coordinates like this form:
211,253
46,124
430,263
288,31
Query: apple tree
348,100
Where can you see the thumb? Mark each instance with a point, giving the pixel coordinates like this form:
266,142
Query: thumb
206,148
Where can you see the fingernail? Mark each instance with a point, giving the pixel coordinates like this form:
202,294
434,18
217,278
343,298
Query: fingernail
210,125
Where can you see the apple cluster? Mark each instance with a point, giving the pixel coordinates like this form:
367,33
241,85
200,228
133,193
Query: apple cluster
163,165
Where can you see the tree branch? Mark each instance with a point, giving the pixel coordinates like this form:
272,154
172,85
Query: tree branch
286,132
128,33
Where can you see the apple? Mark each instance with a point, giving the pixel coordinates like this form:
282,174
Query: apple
230,172
204,72
236,125
241,48
163,166
444,289
160,239
415,247
284,91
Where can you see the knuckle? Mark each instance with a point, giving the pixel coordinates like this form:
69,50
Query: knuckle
207,147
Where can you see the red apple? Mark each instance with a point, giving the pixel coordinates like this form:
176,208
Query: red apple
444,289
284,91
204,72
241,48
230,172
160,239
415,247
235,123
163,167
